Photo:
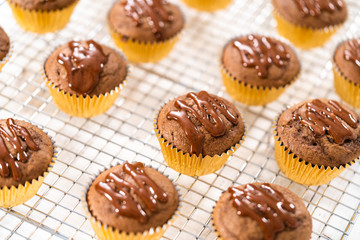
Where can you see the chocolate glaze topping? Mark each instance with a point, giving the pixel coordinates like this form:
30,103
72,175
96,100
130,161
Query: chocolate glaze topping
322,118
315,7
352,51
266,206
83,66
119,192
14,135
209,118
152,10
261,52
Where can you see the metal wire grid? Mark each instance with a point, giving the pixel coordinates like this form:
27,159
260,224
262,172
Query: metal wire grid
125,132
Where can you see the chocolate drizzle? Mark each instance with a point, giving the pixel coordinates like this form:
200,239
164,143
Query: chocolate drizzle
15,136
120,192
316,7
261,52
352,51
154,12
208,117
322,118
83,66
266,206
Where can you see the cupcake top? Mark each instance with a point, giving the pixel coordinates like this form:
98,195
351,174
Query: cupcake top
321,132
201,123
85,68
4,44
132,198
347,59
260,61
312,13
43,4
261,211
147,21
25,152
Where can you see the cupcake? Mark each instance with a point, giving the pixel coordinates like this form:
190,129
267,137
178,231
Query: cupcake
260,211
309,24
26,157
316,140
146,31
257,69
85,77
198,132
208,5
131,202
4,48
42,16
346,68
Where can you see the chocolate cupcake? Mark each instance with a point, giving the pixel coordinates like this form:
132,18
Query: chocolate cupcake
4,48
346,68
198,132
307,23
261,211
146,31
26,156
85,77
257,69
131,201
42,16
316,140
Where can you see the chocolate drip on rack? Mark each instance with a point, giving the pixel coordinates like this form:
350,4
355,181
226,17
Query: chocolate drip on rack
120,192
352,51
261,52
209,118
322,118
15,136
316,7
83,66
266,206
152,10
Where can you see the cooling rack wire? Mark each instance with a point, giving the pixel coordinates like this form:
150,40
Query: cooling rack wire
125,132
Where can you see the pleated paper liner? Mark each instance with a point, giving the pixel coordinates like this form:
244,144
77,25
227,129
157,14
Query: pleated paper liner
7,57
301,36
13,196
301,171
207,5
346,89
104,231
42,21
191,164
249,94
80,106
143,52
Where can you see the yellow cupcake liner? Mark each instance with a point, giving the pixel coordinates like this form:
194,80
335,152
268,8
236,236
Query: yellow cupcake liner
301,36
143,52
207,5
13,196
80,106
346,89
301,171
41,21
249,94
104,231
191,164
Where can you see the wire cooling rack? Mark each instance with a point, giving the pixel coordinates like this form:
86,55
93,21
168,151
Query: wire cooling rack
125,132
